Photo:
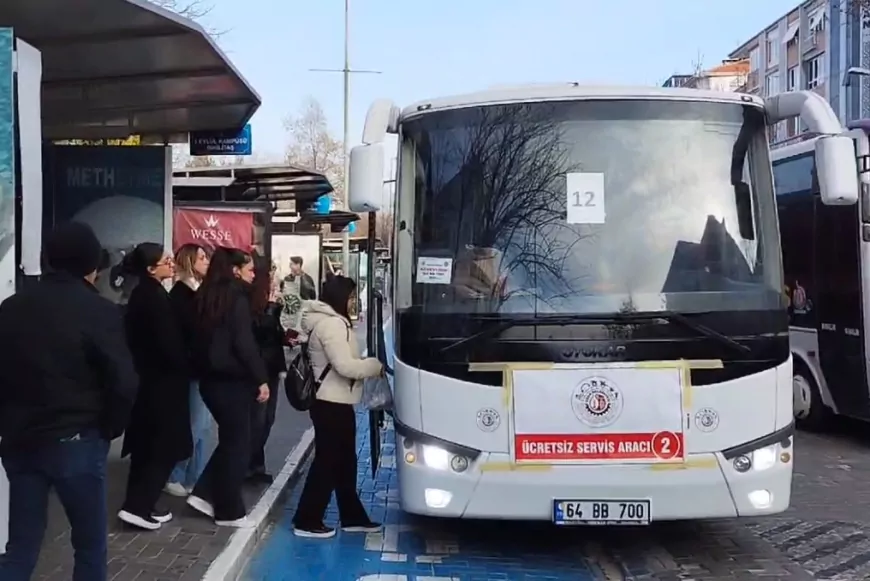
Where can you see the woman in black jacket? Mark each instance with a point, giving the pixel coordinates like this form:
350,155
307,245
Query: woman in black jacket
270,338
232,378
159,432
191,264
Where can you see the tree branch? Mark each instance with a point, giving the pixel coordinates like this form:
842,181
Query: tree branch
195,10
310,145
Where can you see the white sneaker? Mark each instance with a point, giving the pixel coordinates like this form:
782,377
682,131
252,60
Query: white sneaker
321,532
176,489
239,523
371,527
147,523
200,505
161,516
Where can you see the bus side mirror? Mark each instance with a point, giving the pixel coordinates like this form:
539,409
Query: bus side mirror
366,177
837,169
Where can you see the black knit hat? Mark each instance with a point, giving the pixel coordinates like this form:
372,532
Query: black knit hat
72,248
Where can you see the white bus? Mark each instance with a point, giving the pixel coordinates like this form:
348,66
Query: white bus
588,323
826,260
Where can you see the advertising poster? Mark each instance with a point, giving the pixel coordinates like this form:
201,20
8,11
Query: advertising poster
7,216
212,228
119,191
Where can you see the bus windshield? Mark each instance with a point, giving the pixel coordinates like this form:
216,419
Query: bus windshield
575,207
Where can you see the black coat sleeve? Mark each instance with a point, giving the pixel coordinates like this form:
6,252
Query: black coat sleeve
307,290
108,347
243,342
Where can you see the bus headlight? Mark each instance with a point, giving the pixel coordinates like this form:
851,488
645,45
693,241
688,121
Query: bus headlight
764,458
760,459
435,457
742,464
459,463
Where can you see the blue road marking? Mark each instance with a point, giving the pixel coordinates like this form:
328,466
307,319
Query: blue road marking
419,549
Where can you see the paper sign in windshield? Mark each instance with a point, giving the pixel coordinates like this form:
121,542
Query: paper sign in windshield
585,198
432,270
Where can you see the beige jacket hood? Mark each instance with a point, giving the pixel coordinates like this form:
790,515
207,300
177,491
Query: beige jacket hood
331,339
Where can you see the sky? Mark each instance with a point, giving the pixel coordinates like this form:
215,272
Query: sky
433,49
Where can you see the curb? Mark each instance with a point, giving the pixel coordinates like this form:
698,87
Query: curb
231,561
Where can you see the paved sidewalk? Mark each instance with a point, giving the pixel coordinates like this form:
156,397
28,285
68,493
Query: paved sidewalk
181,550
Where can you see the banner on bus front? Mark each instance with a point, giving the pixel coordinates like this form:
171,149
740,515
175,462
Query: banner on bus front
598,414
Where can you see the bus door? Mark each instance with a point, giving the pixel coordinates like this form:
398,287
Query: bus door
839,308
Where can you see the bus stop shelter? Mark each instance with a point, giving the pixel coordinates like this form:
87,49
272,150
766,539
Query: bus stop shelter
115,68
110,69
285,197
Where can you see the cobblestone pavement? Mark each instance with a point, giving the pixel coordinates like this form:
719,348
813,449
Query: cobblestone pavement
181,550
825,535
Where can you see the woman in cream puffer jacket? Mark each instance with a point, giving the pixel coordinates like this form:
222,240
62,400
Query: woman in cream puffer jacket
335,357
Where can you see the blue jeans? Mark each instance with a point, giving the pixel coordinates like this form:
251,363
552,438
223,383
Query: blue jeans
76,469
187,472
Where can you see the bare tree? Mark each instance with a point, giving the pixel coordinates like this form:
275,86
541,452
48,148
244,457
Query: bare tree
311,146
384,228
196,10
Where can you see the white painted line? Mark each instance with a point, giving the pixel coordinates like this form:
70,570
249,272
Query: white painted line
229,563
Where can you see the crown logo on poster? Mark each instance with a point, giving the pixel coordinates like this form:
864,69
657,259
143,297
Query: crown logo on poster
211,221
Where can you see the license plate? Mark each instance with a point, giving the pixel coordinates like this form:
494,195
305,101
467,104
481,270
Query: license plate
601,512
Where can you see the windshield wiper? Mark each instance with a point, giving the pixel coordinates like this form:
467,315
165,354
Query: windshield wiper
498,326
687,322
605,319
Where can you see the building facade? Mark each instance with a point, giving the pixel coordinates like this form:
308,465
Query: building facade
812,47
731,75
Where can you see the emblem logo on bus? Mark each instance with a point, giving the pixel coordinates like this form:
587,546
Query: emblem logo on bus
596,401
488,420
707,419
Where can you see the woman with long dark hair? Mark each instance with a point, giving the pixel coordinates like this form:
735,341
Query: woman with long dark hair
335,357
191,265
159,432
269,333
232,377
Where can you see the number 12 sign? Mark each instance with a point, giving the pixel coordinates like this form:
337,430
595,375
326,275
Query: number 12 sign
585,198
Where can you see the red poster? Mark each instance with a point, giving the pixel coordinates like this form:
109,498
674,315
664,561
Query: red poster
212,228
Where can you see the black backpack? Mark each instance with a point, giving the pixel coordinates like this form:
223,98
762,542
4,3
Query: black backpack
300,385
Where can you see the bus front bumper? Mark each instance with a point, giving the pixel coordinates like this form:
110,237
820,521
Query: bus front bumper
705,486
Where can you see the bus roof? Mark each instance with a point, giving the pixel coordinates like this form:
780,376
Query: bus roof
572,91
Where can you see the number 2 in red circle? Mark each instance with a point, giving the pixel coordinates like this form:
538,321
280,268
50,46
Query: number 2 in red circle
666,445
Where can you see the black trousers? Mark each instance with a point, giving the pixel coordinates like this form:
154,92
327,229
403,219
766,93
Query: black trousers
149,471
262,420
334,468
222,479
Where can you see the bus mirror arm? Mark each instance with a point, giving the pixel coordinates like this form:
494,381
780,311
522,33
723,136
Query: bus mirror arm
836,160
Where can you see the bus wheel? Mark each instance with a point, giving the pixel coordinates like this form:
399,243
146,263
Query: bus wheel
809,411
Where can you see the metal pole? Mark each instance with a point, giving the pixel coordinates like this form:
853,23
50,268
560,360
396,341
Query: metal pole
346,72
345,236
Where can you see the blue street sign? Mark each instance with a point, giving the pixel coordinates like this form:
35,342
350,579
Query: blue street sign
226,142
